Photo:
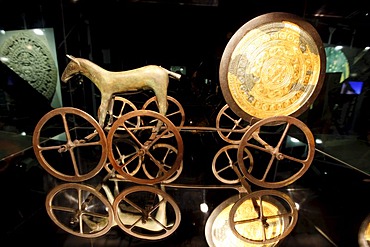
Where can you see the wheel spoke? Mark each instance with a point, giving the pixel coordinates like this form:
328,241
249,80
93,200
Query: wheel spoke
57,155
158,164
277,154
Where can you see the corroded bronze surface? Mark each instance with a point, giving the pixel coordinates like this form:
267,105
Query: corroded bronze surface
109,83
90,214
160,218
61,157
271,71
273,65
275,153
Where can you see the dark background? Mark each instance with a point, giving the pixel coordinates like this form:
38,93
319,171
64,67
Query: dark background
138,32
126,34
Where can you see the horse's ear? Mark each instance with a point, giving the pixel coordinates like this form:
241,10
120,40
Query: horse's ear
70,57
73,59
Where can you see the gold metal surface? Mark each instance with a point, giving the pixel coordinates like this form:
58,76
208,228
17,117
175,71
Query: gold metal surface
274,70
271,71
272,66
263,217
218,232
253,230
364,232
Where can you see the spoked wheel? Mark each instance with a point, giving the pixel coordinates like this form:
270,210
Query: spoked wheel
117,108
79,210
224,161
231,128
263,217
70,144
218,226
165,151
285,149
146,212
175,112
125,149
147,137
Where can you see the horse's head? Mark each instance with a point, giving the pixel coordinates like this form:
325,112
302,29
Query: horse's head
72,68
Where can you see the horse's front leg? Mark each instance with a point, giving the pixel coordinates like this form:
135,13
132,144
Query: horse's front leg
104,105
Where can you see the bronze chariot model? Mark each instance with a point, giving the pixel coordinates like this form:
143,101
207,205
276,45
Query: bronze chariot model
271,71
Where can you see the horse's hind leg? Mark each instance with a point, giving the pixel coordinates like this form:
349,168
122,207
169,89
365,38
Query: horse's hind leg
162,106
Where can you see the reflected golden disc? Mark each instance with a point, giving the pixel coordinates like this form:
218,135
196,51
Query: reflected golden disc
273,65
263,217
253,230
364,232
218,232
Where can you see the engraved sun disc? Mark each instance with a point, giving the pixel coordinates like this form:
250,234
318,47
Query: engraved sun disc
218,232
273,65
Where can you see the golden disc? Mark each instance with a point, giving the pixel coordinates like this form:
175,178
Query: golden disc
218,232
273,65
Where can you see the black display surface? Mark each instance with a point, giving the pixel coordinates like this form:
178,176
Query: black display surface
330,195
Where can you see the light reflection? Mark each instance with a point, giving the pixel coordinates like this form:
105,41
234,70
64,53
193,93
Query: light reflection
38,31
204,207
318,141
294,140
4,59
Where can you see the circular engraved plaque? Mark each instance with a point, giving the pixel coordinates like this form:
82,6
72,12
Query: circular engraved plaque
273,65
29,57
218,232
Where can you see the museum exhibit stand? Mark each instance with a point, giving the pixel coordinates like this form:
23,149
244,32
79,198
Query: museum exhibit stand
273,151
331,199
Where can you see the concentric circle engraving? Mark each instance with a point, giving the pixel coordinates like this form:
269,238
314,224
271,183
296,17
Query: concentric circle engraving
272,66
28,56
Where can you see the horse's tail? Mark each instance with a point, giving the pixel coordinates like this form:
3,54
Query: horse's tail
172,74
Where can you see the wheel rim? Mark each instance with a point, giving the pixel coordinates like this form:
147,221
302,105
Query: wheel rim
168,150
225,159
226,119
272,220
274,149
146,137
72,156
175,112
148,208
79,210
124,154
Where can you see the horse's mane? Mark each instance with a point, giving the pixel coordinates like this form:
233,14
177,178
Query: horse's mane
88,64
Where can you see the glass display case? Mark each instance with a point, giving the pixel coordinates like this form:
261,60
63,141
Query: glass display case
265,139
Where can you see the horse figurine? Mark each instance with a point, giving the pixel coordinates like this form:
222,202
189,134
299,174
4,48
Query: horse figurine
150,77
